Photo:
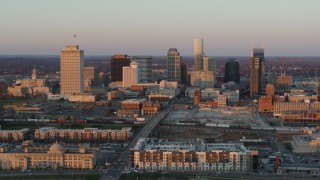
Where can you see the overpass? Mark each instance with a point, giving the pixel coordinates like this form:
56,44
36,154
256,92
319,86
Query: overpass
123,159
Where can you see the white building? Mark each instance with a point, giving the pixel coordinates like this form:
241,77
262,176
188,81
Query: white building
25,86
169,88
131,75
232,96
209,94
71,70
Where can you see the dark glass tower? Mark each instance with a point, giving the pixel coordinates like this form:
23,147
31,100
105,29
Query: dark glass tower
256,71
118,61
232,71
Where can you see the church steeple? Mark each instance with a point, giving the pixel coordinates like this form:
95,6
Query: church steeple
34,73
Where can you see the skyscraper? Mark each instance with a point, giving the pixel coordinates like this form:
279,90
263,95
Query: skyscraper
173,65
71,70
198,54
256,71
209,64
131,75
231,71
184,73
145,66
118,61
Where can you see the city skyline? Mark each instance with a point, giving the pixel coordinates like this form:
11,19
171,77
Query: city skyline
227,27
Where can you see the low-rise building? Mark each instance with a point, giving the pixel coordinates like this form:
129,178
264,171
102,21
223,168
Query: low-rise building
159,155
306,143
265,104
56,157
83,98
82,135
202,79
301,118
169,88
14,135
159,98
150,109
222,101
209,94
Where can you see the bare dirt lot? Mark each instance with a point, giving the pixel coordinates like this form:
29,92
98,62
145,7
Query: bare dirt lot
212,134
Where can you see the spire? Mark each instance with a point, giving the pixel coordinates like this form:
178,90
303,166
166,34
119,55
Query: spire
34,73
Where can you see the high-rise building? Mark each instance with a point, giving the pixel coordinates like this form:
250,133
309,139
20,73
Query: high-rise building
91,74
256,71
209,64
173,65
131,75
145,66
198,54
184,73
118,61
71,70
231,71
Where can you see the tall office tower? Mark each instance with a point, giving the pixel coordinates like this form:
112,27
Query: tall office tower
198,54
184,73
145,66
118,61
173,65
232,71
209,64
131,75
71,70
256,71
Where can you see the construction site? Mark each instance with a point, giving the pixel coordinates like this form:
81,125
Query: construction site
219,117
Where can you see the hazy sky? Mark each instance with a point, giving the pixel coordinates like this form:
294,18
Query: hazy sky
151,27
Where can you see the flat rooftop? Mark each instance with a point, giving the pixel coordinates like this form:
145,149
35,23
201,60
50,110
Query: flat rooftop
151,144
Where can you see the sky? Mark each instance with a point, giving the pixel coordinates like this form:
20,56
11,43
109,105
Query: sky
151,27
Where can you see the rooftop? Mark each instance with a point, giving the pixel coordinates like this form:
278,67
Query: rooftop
149,144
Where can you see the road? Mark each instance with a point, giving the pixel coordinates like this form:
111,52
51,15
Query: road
123,159
258,118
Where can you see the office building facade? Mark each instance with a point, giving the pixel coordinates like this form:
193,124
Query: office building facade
173,65
131,75
160,155
256,71
118,61
232,71
198,54
145,67
184,74
71,70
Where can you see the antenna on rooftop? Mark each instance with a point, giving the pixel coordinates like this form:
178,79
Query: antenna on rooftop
74,39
